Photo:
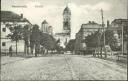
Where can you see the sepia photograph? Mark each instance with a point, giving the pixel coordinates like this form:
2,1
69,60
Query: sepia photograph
59,40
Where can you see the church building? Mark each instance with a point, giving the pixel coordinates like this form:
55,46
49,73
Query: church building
45,28
64,36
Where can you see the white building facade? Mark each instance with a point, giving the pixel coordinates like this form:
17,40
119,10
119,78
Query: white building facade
8,20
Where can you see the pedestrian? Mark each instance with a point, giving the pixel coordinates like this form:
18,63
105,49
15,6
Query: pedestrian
10,50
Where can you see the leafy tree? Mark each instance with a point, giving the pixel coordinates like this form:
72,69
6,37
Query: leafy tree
59,48
35,39
26,37
126,32
38,38
70,45
97,40
110,40
16,34
58,41
126,35
93,40
48,41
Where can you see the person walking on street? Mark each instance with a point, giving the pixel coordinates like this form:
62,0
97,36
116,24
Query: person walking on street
10,50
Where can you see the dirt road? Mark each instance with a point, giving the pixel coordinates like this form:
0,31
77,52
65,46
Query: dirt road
62,67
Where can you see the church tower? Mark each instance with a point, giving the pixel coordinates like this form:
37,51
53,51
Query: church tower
64,37
67,21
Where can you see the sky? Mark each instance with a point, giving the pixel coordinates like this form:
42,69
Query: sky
82,11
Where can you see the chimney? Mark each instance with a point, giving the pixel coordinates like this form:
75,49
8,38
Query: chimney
108,23
21,15
89,21
93,22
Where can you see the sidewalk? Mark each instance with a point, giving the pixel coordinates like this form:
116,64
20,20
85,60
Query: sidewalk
122,62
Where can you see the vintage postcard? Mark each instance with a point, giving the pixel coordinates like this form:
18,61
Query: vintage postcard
64,40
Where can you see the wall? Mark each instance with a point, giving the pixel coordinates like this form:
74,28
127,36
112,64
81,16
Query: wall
6,42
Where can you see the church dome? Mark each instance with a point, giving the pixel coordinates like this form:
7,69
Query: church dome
44,22
67,10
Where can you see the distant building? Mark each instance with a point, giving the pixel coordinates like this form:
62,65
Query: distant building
85,30
45,28
64,36
11,19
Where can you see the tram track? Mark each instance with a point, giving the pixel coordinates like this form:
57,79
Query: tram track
73,75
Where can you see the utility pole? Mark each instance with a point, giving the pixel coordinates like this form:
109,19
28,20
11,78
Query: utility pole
103,30
127,9
103,25
122,39
127,19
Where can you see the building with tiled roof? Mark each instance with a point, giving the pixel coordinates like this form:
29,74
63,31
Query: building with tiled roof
10,19
8,16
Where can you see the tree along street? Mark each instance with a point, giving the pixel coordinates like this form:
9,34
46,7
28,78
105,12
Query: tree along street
61,67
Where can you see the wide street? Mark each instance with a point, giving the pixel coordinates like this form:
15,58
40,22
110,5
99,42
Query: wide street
61,67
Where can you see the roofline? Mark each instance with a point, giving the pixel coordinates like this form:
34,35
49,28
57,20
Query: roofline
13,20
